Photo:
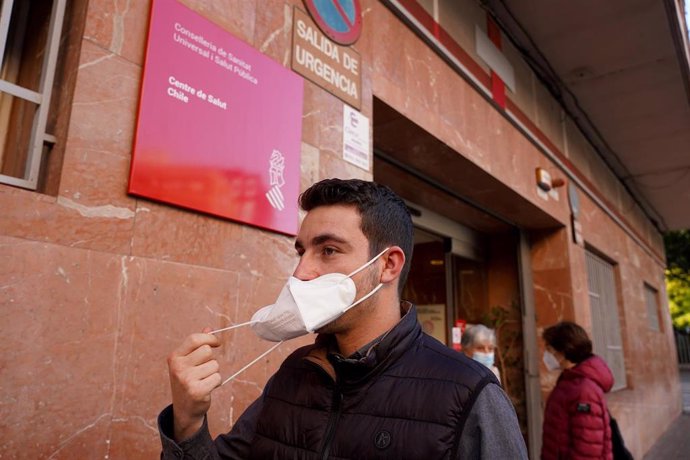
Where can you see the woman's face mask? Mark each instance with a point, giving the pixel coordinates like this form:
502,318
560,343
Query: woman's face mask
550,361
486,359
305,306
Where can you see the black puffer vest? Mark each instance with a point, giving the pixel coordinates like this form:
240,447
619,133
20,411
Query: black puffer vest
407,399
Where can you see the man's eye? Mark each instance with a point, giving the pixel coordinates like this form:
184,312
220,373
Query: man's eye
328,251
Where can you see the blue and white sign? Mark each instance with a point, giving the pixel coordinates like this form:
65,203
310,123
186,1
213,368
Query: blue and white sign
340,20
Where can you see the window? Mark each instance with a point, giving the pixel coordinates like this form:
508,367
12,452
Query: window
30,33
651,296
606,329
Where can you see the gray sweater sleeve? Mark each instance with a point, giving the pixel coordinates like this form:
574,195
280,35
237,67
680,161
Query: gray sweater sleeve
492,429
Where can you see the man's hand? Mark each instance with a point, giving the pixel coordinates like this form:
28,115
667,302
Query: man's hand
193,375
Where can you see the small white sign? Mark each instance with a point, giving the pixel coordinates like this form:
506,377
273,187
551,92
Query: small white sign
457,335
355,138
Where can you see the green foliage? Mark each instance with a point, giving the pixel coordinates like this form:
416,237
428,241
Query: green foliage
677,253
678,276
678,289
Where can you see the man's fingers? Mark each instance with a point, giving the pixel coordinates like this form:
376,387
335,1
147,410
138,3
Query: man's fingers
194,341
196,381
212,382
203,371
199,356
195,350
200,390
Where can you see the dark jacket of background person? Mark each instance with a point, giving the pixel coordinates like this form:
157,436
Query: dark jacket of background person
576,419
407,396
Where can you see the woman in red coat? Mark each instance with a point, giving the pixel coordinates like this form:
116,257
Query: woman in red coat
576,419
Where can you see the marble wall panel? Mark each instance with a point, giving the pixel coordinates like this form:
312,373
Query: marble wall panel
367,88
94,180
238,17
365,46
309,166
60,220
273,30
119,27
311,132
332,165
452,110
578,272
553,299
421,75
61,309
133,437
97,156
322,122
387,31
104,107
173,234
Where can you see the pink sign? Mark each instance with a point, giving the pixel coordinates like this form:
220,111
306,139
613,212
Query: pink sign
220,124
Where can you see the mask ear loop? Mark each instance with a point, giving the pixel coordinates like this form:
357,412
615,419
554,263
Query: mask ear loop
253,362
368,263
373,291
232,327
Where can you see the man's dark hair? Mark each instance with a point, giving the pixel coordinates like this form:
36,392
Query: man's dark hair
569,339
385,218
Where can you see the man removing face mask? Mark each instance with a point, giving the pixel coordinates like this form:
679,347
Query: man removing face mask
373,385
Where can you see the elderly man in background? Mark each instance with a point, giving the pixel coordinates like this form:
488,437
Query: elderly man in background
479,343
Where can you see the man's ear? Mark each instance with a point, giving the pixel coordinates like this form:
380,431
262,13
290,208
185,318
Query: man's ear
394,261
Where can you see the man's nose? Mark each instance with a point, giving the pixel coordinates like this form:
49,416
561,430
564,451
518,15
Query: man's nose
305,270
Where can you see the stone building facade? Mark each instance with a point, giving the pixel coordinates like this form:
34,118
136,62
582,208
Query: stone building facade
98,286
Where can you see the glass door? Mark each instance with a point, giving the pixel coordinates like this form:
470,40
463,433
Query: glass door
426,285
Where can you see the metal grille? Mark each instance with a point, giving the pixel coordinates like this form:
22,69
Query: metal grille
652,298
683,346
10,12
606,334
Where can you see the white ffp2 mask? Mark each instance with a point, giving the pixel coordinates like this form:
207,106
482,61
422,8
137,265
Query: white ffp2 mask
550,361
305,306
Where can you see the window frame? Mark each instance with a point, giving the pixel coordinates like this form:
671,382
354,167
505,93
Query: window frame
651,293
606,312
39,137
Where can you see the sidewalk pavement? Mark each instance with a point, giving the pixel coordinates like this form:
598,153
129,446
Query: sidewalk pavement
685,386
675,442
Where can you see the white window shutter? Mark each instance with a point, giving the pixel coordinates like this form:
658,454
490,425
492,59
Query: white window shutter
606,329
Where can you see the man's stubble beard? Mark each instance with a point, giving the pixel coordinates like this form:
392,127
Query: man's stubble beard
357,313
